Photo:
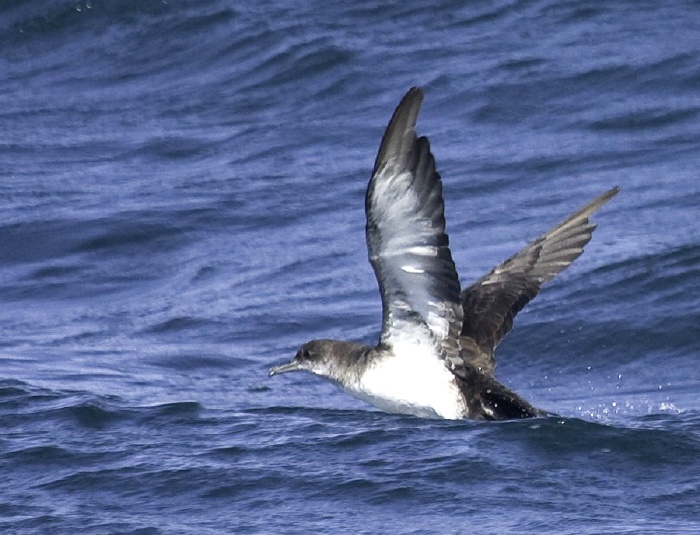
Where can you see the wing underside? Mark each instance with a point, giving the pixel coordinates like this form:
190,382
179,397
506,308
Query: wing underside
409,251
408,246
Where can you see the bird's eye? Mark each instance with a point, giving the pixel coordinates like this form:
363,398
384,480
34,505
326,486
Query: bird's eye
305,354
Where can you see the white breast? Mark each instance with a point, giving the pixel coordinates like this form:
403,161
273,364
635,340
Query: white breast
414,382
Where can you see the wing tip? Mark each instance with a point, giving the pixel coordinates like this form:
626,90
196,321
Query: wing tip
415,92
400,132
605,197
600,200
412,100
587,210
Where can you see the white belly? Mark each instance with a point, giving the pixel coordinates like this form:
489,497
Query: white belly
417,384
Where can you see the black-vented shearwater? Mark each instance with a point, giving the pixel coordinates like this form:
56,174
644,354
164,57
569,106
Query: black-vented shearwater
435,356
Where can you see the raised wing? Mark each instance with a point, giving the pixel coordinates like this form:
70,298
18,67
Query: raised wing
491,303
408,247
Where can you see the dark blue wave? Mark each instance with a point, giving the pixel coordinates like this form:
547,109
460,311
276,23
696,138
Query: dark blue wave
181,200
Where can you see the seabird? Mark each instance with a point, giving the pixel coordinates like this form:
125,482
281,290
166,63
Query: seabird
435,356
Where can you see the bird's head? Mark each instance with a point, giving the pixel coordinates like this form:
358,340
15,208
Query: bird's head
327,358
310,357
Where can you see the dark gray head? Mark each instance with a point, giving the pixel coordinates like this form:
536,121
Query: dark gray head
328,358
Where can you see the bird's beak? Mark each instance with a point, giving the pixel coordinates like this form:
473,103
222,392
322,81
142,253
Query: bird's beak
290,366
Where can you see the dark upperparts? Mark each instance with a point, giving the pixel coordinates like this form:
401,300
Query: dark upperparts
491,303
487,399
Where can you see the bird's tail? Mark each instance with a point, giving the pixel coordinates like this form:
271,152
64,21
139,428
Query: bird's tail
487,399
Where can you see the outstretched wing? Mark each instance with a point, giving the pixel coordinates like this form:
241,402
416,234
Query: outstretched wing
491,303
408,247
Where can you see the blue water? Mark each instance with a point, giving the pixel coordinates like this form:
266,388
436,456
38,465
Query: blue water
181,206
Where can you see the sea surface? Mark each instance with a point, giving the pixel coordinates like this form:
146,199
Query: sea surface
182,206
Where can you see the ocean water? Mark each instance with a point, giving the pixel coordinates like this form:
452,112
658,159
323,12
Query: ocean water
181,206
